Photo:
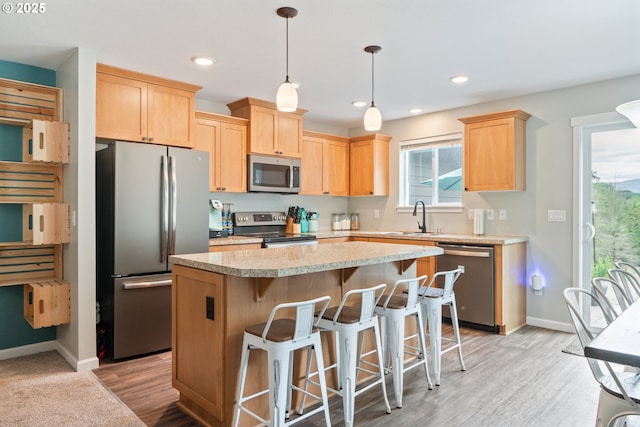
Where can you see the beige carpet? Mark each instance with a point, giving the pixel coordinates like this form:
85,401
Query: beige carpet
43,390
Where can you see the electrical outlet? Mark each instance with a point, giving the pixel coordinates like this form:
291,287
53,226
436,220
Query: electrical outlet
556,216
376,214
503,214
489,214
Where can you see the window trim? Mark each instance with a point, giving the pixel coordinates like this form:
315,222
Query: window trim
429,140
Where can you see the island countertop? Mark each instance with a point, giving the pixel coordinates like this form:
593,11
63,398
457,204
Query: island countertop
302,259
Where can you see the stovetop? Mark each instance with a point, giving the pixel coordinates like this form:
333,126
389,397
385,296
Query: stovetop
270,225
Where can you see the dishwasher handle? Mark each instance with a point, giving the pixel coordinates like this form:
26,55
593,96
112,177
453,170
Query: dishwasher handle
148,284
462,252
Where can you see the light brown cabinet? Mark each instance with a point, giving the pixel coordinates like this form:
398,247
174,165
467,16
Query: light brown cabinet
225,138
495,151
34,186
137,107
369,165
325,164
271,132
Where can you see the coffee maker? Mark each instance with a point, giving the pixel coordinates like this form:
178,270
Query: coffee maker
216,225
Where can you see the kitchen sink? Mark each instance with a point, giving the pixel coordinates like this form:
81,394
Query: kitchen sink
406,233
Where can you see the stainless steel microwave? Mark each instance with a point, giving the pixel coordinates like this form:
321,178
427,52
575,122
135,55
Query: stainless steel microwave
273,174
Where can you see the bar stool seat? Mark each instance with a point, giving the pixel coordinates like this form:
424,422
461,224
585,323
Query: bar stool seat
280,338
350,323
431,302
392,310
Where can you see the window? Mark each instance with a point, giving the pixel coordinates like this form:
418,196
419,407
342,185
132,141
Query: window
431,171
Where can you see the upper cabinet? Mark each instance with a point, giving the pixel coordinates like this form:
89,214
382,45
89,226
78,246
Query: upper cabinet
495,151
325,164
137,107
271,132
225,138
369,165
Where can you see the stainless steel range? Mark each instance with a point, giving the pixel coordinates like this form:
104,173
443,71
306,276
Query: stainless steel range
271,227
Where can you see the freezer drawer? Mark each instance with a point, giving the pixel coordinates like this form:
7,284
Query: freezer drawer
141,315
475,288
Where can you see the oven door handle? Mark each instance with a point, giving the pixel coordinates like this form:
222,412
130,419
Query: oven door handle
149,284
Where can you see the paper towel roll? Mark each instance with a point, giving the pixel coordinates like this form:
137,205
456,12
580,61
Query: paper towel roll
478,222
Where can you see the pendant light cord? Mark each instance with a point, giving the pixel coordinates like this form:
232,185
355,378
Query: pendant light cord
287,50
372,77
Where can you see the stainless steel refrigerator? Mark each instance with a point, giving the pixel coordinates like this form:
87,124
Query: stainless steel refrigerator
151,202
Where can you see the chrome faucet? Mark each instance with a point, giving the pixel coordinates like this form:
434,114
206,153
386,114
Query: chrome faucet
423,227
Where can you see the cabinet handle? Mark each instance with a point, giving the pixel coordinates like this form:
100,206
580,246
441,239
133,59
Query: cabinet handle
144,138
224,188
150,139
326,192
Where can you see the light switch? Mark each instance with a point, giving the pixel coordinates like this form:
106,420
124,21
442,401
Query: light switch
489,214
556,215
503,214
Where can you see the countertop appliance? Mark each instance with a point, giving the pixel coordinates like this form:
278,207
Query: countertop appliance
475,288
151,202
273,174
216,226
269,225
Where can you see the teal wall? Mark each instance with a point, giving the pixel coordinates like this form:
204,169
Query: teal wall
14,330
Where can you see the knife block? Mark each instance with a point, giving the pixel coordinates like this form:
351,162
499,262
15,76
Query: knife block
289,227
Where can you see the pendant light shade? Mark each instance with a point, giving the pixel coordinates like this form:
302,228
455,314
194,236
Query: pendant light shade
287,96
373,117
632,111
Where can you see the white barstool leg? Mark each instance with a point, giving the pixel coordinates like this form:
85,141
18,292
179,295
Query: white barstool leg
347,354
395,335
376,331
456,329
423,345
278,376
244,362
323,383
434,320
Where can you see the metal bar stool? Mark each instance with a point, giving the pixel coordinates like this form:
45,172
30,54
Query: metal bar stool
349,323
431,302
393,311
280,338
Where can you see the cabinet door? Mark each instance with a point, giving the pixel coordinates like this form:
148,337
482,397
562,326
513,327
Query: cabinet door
171,116
206,138
264,130
336,168
489,156
121,108
231,167
198,370
361,168
289,134
312,165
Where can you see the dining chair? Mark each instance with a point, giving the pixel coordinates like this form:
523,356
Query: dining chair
601,286
619,390
627,280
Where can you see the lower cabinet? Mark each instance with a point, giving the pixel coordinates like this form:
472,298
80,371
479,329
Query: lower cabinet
197,339
426,265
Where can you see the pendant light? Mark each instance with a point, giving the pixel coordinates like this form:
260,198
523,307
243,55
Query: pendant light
631,110
287,97
372,118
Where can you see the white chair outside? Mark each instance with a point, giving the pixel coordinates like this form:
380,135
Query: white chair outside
350,322
628,281
432,299
280,338
619,390
393,309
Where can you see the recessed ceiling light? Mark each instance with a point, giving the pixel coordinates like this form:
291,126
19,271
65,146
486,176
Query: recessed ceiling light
459,79
415,110
359,104
203,60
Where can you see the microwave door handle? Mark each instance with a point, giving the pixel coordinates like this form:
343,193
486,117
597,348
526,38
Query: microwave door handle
290,176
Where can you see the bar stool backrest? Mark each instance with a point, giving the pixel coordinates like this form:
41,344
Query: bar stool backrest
412,286
450,278
304,316
601,285
369,297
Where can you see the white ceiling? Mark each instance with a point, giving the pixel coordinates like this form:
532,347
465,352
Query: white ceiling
506,47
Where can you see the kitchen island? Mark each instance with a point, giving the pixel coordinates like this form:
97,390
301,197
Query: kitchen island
216,295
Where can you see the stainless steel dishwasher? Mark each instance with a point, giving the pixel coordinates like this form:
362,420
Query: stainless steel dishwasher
475,288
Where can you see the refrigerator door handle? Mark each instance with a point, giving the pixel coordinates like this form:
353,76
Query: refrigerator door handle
174,204
164,249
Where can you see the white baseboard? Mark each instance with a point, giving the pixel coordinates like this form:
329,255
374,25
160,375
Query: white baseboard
25,350
550,324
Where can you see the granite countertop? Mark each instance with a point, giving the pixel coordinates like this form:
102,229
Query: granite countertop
405,235
303,259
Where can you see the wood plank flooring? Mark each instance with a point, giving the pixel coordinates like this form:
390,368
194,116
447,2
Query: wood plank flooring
523,379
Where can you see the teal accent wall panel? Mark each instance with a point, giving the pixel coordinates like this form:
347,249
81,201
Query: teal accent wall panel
14,330
27,73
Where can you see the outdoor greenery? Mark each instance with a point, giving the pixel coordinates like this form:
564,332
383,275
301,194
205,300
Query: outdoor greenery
616,218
